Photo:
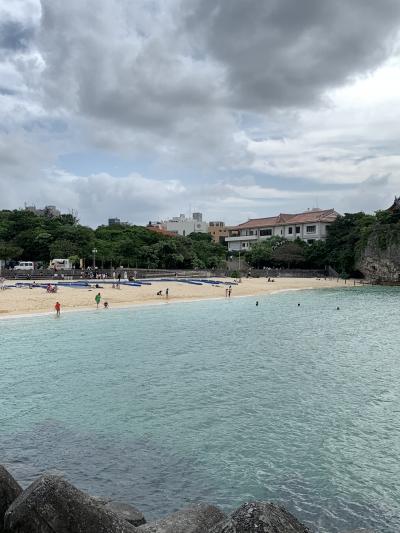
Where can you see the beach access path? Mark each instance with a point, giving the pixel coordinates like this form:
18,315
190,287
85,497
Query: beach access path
20,301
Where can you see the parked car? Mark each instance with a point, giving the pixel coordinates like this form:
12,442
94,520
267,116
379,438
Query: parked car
25,265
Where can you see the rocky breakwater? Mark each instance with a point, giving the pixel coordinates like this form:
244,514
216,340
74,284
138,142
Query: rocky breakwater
52,505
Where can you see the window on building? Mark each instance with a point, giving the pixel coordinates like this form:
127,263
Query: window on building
290,230
310,229
297,229
265,232
310,241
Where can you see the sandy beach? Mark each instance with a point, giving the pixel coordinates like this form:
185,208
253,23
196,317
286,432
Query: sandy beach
20,301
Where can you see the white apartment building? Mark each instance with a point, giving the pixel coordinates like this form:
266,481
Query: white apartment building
182,225
309,226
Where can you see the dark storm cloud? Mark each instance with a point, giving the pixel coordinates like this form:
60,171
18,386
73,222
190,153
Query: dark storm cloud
112,64
15,36
190,85
177,69
287,52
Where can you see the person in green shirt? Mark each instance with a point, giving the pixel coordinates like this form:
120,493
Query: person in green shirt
98,299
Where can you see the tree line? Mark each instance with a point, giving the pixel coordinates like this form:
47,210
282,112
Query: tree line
25,236
30,237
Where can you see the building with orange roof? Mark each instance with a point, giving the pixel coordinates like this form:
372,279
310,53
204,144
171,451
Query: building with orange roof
309,226
160,231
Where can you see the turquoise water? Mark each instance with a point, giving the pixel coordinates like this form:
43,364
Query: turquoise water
217,401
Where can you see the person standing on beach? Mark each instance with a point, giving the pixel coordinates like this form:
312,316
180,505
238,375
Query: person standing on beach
229,291
226,292
166,293
57,307
98,299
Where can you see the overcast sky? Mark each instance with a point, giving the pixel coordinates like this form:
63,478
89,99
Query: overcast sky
144,109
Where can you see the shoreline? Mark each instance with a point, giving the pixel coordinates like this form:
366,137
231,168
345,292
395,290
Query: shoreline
41,304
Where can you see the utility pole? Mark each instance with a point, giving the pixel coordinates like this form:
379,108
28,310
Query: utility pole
94,252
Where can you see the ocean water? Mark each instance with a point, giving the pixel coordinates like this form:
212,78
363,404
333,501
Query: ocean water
216,401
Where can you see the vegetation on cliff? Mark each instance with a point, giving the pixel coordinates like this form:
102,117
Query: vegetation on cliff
350,234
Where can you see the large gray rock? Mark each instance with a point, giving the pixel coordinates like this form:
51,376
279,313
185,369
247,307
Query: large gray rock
52,505
195,519
126,512
9,491
380,259
260,517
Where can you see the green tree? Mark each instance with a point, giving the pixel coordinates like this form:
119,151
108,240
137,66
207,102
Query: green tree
9,251
289,254
344,240
260,254
62,248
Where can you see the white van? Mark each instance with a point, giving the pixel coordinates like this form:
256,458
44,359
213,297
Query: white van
25,265
60,264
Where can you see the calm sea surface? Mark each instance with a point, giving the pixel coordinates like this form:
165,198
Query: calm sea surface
217,401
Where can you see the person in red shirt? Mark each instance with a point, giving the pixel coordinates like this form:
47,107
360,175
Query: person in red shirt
57,307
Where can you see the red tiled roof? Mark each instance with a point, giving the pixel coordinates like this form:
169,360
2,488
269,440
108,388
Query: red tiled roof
321,215
257,223
161,231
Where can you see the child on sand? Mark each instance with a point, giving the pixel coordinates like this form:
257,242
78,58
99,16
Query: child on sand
57,307
98,299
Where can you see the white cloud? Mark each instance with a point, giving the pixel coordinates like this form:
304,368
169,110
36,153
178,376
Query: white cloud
263,113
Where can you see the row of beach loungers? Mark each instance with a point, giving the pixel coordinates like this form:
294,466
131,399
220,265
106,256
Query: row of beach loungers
80,284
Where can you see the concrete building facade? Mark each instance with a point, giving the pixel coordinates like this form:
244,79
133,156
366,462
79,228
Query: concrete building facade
218,231
49,211
308,226
182,225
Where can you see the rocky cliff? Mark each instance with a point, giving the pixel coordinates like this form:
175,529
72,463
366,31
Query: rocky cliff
380,257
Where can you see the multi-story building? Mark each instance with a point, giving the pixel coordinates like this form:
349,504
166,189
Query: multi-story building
114,221
49,211
198,217
309,226
218,231
182,225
